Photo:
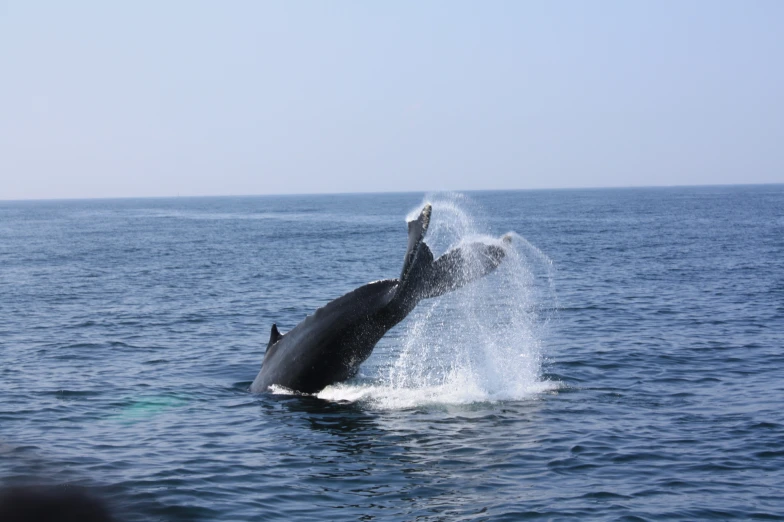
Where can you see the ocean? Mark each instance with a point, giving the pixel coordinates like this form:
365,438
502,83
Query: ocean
625,362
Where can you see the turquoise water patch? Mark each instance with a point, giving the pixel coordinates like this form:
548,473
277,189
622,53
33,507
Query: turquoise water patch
145,409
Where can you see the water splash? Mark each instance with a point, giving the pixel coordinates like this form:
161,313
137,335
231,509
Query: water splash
481,343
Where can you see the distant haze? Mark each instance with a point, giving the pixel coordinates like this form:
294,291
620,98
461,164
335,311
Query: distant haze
121,99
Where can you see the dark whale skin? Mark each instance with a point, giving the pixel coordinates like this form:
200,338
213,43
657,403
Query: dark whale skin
328,346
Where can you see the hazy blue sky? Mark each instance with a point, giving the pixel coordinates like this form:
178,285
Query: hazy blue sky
143,98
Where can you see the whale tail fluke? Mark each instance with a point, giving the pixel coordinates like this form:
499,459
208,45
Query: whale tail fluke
417,229
424,277
460,266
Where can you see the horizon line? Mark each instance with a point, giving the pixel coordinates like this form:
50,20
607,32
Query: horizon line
357,193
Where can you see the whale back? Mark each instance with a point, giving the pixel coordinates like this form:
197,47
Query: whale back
316,351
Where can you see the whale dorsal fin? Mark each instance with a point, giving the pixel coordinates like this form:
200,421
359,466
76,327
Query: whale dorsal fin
275,335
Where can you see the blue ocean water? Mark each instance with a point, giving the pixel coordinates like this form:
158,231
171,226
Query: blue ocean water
625,363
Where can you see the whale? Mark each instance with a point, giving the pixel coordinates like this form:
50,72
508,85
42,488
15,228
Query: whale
329,346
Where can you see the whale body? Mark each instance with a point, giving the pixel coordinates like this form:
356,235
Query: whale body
328,346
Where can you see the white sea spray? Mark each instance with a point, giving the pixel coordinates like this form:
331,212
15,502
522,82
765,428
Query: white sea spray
482,343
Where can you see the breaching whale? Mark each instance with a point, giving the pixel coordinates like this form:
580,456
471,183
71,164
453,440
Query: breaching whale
328,346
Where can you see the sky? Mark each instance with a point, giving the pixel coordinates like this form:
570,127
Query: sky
147,98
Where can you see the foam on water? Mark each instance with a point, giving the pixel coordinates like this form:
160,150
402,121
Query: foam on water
481,343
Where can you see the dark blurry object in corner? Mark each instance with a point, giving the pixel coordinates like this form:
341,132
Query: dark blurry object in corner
51,504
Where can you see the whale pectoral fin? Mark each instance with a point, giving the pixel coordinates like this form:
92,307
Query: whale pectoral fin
275,335
460,266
